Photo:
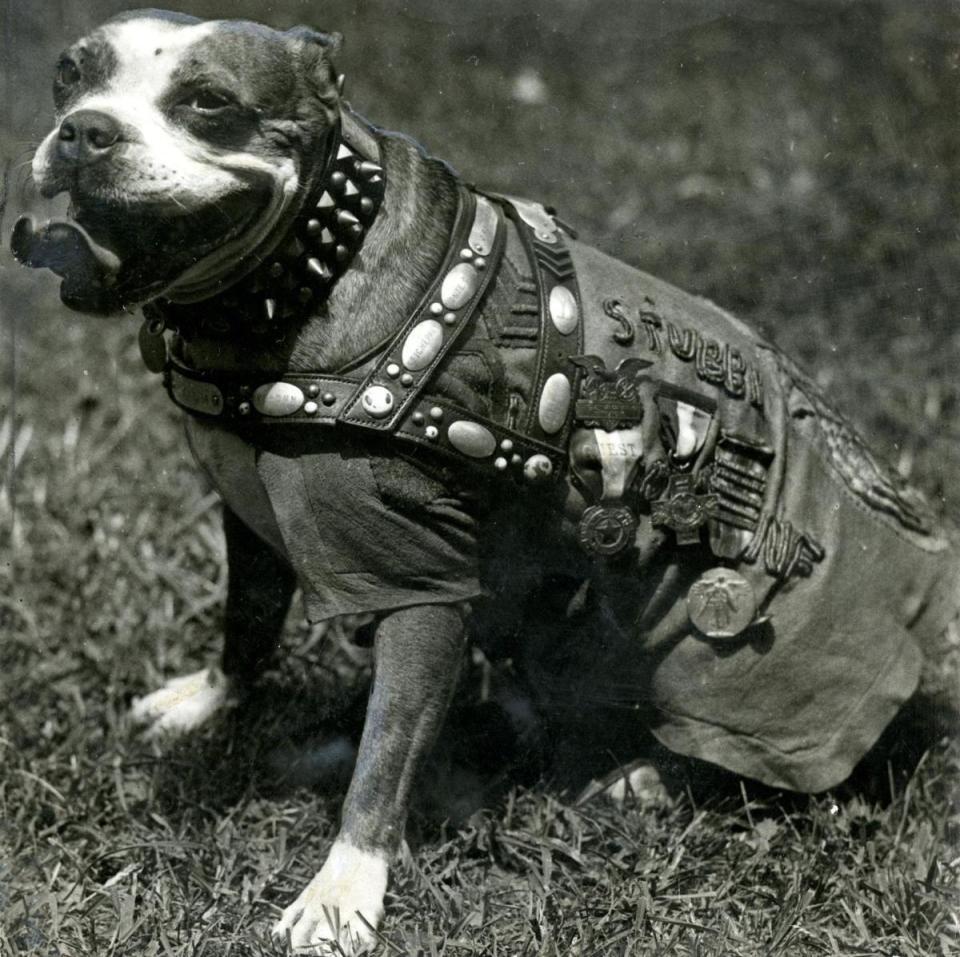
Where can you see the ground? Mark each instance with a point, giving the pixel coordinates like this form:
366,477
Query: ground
798,163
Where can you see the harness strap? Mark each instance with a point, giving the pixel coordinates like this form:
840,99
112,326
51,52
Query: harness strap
391,399
318,399
390,389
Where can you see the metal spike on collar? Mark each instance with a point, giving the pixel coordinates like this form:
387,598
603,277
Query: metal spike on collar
324,239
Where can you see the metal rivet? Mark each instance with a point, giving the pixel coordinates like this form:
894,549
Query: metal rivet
343,151
449,318
314,228
436,308
338,178
516,459
356,230
431,432
342,253
244,408
436,413
377,401
500,463
325,201
366,205
313,390
310,408
276,270
507,445
480,262
466,254
393,370
417,418
326,238
349,189
406,379
537,468
328,398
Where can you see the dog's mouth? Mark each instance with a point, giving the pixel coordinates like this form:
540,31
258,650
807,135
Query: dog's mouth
112,255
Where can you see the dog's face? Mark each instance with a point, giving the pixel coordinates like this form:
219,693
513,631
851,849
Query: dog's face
184,146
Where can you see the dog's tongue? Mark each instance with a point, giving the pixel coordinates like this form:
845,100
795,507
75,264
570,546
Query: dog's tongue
89,270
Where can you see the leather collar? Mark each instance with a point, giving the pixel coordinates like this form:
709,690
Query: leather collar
317,249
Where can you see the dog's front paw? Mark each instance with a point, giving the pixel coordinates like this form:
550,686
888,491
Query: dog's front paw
182,704
324,916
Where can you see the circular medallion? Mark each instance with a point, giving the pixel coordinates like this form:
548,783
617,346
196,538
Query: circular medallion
606,529
721,603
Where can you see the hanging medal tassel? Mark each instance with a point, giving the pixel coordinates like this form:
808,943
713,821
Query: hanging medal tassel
607,448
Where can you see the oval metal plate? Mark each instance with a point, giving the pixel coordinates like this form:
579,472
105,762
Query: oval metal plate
459,285
471,439
484,227
277,399
563,310
554,403
422,345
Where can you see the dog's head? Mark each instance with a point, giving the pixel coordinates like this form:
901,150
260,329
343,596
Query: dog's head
185,146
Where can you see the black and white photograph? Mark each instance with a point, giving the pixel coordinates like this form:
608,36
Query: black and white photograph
480,478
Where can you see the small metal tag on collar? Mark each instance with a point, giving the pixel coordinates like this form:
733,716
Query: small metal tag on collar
153,344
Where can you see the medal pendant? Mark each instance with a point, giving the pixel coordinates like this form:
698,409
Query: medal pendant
721,604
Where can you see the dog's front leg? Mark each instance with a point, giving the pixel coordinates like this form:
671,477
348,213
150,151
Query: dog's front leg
260,585
417,657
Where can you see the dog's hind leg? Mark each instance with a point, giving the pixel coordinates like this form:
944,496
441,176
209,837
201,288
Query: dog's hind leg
260,585
418,653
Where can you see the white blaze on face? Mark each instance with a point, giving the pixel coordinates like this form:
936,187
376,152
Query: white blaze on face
165,163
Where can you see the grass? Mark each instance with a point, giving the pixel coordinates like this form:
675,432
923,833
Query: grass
798,165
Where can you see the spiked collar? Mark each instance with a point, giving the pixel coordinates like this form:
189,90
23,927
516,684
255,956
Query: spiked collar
304,266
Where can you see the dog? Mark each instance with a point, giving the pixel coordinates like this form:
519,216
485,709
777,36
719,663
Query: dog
434,404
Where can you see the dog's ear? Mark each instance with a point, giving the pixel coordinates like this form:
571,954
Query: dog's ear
316,52
330,42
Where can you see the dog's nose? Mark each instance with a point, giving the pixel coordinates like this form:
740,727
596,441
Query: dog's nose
87,135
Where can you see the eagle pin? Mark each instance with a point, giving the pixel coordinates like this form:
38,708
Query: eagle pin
721,603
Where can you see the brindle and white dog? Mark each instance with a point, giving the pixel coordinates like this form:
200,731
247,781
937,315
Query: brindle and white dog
726,510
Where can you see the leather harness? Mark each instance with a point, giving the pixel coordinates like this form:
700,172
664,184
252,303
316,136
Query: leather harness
393,398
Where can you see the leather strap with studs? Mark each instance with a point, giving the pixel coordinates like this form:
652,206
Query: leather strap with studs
392,386
318,399
549,417
391,399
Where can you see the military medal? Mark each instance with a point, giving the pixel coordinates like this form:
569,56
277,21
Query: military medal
721,603
606,529
682,509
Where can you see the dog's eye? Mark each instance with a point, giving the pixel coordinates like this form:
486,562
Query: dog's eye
208,101
68,72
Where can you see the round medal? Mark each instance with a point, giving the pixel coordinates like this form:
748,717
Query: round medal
607,529
721,603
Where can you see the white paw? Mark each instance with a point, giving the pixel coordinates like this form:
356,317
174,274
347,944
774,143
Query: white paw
642,783
325,914
182,704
